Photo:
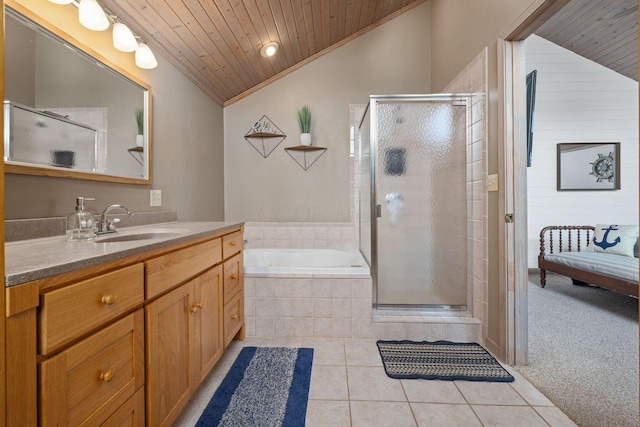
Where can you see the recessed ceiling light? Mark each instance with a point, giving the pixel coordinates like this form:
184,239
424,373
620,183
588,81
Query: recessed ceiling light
269,49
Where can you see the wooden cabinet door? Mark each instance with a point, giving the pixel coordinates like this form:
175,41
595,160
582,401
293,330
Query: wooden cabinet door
170,322
208,342
86,383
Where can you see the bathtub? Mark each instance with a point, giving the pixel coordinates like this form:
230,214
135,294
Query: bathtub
306,293
295,262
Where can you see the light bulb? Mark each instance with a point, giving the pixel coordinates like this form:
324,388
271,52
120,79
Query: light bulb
91,15
145,57
123,38
269,49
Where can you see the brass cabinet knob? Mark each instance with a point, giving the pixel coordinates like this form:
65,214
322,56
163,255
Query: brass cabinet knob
106,376
233,277
232,243
199,304
234,316
194,309
108,299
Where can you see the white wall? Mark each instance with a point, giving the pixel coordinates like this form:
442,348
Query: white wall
578,100
393,58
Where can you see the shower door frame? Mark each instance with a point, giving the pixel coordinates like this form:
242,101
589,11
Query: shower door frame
373,110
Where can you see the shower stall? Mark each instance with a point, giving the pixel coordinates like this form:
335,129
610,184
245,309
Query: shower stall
412,193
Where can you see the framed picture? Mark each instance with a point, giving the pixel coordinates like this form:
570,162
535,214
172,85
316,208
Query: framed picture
587,166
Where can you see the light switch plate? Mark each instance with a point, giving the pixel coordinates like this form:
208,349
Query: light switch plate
155,198
492,182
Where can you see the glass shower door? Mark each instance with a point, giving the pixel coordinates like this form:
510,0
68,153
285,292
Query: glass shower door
420,193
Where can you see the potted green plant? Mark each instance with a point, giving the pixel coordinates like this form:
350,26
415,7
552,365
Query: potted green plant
304,120
140,124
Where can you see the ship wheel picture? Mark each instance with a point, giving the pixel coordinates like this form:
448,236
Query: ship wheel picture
603,167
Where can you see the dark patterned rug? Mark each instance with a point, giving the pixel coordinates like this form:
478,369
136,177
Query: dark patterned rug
440,360
266,386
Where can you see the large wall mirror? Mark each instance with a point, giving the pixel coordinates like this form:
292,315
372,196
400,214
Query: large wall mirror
68,114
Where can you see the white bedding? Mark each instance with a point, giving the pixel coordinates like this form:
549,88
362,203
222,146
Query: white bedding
619,266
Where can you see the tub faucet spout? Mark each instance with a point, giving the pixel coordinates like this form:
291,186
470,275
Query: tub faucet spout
109,225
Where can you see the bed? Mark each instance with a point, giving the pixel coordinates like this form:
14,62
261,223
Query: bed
564,250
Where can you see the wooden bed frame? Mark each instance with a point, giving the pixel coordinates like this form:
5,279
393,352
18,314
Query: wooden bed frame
576,238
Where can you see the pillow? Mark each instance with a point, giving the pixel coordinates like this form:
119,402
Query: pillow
614,239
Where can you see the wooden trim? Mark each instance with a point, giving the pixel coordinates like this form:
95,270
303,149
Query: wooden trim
24,169
519,165
22,297
532,18
607,282
21,378
310,59
504,345
4,365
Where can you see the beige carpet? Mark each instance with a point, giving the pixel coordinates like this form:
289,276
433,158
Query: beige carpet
583,351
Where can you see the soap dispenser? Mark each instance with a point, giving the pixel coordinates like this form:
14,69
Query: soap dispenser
81,224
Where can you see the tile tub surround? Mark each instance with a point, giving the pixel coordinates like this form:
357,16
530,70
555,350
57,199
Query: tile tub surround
338,307
300,235
312,306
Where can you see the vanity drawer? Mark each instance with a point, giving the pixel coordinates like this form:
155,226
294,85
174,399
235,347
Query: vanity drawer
74,310
86,383
233,317
130,414
167,271
232,281
231,244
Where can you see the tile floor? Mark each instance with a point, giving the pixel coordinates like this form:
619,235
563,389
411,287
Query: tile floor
350,388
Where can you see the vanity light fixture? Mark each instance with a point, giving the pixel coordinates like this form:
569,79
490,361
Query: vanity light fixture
91,15
144,57
269,49
123,38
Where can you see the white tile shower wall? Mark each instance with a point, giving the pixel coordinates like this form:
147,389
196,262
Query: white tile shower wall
312,306
300,235
473,79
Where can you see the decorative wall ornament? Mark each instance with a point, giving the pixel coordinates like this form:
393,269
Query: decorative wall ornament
588,166
305,155
264,136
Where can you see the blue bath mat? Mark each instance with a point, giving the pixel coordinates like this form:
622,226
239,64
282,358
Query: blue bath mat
440,360
266,386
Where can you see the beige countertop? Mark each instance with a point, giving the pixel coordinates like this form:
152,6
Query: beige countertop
34,259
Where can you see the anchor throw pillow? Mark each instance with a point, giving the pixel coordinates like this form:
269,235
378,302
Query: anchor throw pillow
614,239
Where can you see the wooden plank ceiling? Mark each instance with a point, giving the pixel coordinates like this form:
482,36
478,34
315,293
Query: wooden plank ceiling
216,43
603,31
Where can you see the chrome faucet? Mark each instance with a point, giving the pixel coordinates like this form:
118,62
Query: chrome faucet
105,225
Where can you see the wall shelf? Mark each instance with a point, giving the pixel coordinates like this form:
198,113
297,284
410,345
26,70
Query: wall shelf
305,155
264,136
136,153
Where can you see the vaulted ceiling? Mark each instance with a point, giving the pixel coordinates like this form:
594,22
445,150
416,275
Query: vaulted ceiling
216,43
604,31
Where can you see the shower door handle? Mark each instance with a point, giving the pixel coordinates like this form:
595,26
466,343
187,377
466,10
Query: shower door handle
378,211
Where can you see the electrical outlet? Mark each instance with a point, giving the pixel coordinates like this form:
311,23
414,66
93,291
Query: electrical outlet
155,197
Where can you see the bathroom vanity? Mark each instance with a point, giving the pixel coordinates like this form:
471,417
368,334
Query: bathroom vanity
121,330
